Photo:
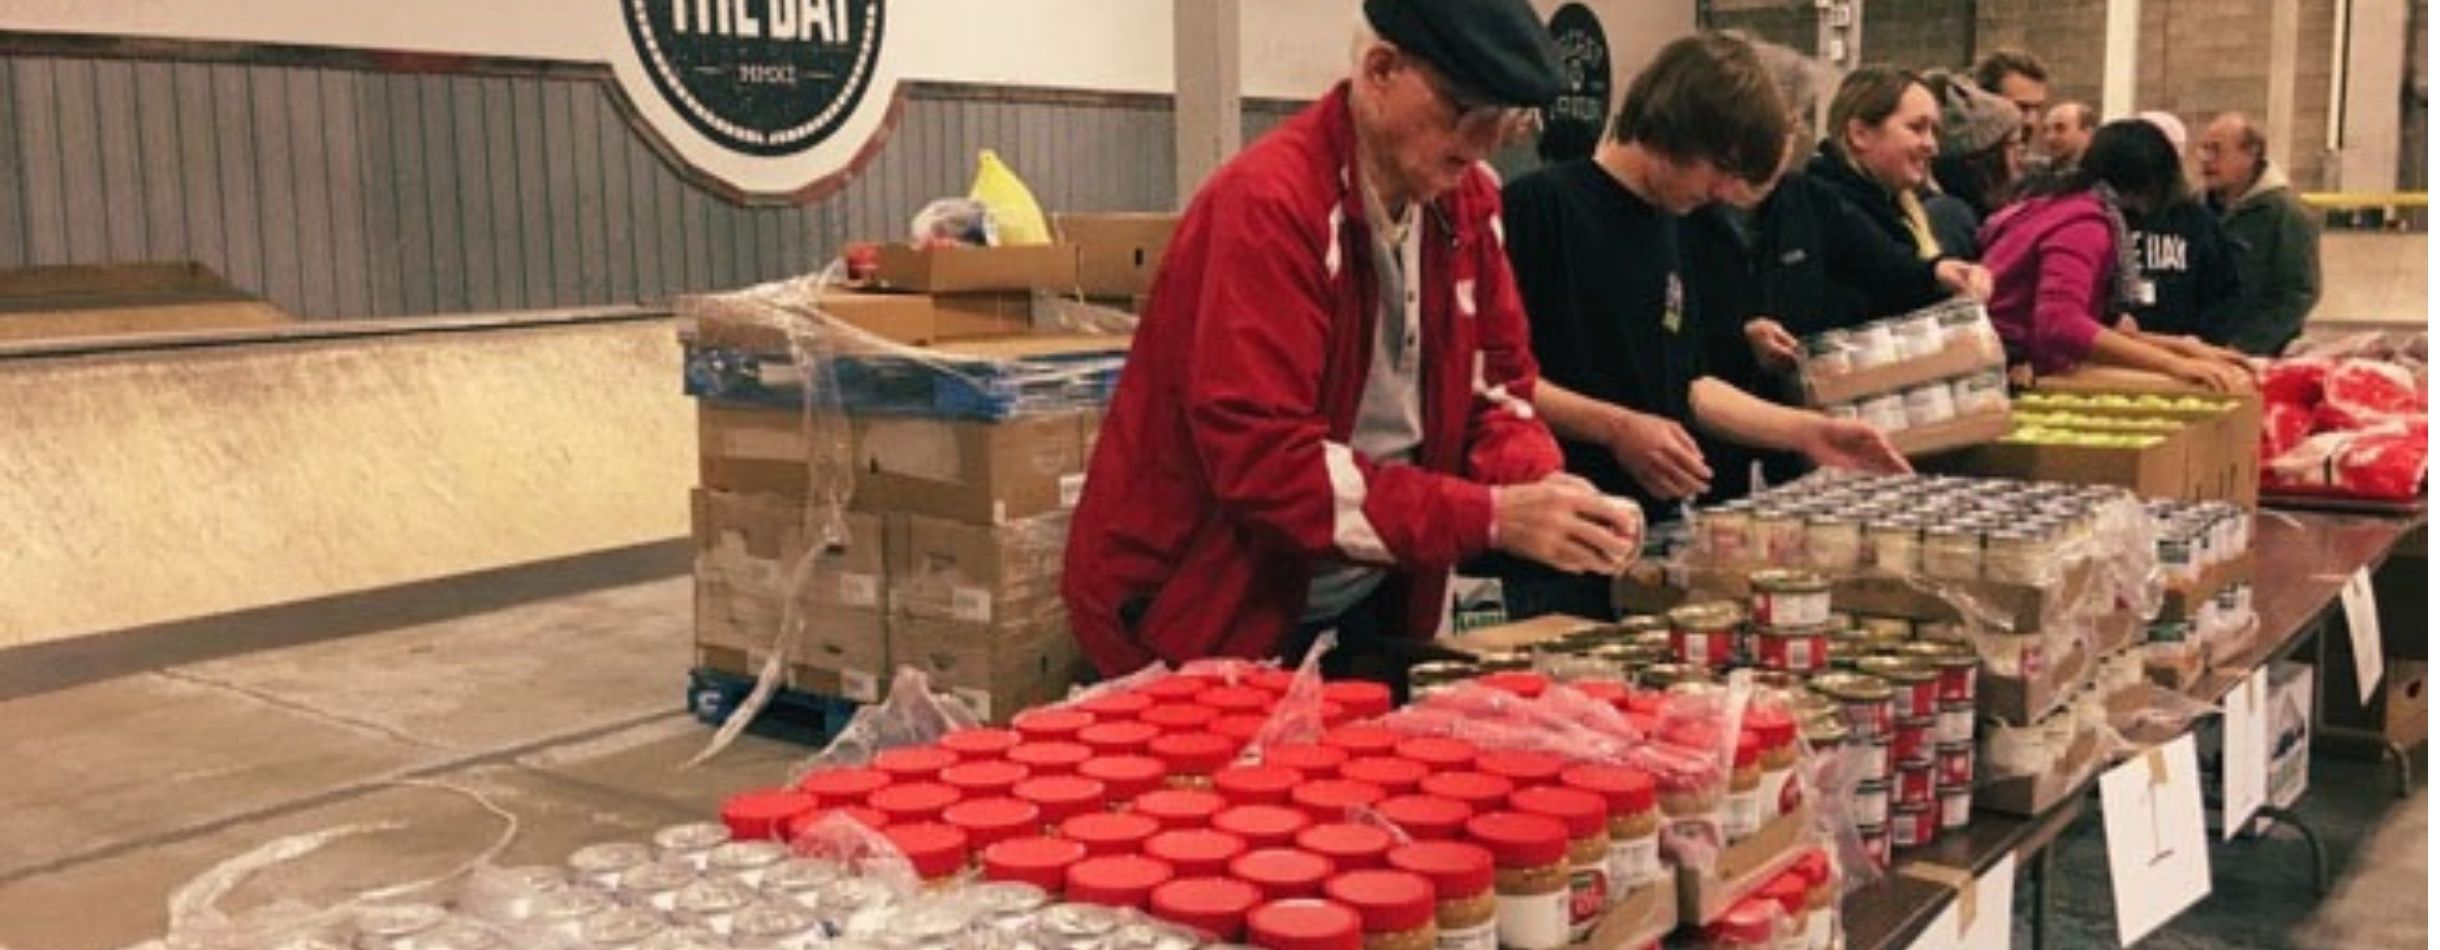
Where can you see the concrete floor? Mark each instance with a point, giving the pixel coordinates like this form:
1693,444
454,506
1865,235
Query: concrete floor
565,714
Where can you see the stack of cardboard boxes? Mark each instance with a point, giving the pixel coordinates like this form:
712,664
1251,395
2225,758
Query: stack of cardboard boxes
945,554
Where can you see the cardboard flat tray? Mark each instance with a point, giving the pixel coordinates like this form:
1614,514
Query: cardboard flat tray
1705,894
2029,795
1952,435
1951,362
1639,921
2021,608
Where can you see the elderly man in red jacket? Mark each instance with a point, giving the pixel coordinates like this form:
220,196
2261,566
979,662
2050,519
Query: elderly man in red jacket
1329,403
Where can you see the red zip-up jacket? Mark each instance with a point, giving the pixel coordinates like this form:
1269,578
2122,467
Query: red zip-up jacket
1223,479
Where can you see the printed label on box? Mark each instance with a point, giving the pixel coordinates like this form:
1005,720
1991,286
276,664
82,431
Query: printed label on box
860,685
1071,489
970,604
978,700
860,590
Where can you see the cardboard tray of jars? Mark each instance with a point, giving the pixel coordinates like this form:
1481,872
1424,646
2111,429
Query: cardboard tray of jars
1703,894
1641,920
1958,433
2181,599
2030,795
2017,608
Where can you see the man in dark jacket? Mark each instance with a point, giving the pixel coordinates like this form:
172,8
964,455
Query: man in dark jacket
2278,244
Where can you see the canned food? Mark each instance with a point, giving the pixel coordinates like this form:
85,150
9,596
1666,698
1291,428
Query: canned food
1952,551
1779,536
1825,730
1962,326
691,842
1801,650
1882,630
601,864
1790,598
1910,742
1725,534
1502,662
1871,345
1834,542
1666,675
1870,803
1866,702
1956,808
1877,759
1916,334
2017,556
1826,354
1842,410
1956,765
1956,723
1704,634
1912,826
1886,412
1897,546
1425,679
1915,688
1929,405
1913,785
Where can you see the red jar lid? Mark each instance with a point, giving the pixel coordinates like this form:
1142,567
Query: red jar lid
989,821
1628,791
1772,724
1125,776
1584,813
762,814
980,742
1110,832
1263,826
1045,725
1282,873
1441,753
1175,688
1335,715
842,786
1178,717
1457,869
1525,768
1316,761
1256,784
1196,852
1242,727
1349,846
1039,861
1235,699
1749,921
1788,889
984,779
909,804
1389,901
1611,693
1050,758
1646,701
921,763
1329,799
1271,680
1518,840
1360,739
1180,807
1194,753
1116,707
1118,738
1475,790
1214,905
1814,864
799,825
1117,880
1362,699
1749,749
1305,925
1516,682
1063,796
1394,775
1426,817
936,850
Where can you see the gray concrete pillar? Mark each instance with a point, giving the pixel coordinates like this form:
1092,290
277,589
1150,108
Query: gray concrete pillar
1210,123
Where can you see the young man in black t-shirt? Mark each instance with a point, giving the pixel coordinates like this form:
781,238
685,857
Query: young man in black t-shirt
1596,251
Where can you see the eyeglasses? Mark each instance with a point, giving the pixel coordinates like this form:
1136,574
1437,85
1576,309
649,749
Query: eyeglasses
1474,114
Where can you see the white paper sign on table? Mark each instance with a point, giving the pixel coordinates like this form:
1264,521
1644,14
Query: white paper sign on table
1981,916
2363,632
2244,769
2152,820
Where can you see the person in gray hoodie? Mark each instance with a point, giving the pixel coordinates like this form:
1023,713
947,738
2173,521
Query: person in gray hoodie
2278,242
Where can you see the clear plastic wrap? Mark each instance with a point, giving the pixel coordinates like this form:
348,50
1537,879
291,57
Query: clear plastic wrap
911,715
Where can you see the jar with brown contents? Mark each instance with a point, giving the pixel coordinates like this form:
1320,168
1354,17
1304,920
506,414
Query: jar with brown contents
1467,913
1587,817
1529,854
1635,823
1744,813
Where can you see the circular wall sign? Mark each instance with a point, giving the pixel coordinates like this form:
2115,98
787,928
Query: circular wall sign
768,78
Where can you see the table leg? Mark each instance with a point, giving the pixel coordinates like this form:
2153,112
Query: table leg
2045,883
2312,841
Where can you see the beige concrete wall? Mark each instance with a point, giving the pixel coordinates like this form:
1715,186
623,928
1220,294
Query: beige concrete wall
2375,276
174,484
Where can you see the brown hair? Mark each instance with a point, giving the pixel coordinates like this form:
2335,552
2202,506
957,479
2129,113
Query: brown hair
1868,95
1707,97
2002,62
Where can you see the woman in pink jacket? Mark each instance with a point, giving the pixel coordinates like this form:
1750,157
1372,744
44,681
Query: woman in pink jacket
2063,272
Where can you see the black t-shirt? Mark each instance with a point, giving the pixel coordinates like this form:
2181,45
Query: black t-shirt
1612,318
2193,271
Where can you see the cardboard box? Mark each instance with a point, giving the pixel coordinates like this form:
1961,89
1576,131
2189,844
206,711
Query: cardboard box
957,268
1510,637
2405,704
2020,702
2180,599
859,685
979,473
734,530
910,319
997,670
2229,465
2029,795
979,574
1703,895
2160,470
1647,590
1641,920
1960,433
1117,255
1954,360
760,450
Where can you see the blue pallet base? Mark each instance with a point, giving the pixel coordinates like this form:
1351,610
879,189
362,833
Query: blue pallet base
791,716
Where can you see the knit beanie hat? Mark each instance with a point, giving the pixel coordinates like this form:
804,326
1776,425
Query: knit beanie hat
1971,120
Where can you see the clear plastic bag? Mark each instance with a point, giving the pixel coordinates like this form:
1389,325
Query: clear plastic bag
911,715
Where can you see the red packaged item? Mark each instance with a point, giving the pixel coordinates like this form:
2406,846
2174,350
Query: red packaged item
1116,707
1519,683
909,764
936,850
1110,832
1263,826
1125,777
1475,790
1235,699
1118,738
1051,724
1457,869
1179,717
1256,784
1063,796
842,786
1307,924
1180,807
1390,902
1349,846
1396,776
1363,739
984,779
1329,800
1282,873
2295,382
1196,852
989,821
1117,880
1316,761
1176,688
763,814
1608,692
1039,861
2363,392
1520,841
2284,427
1050,758
1425,817
980,742
1525,768
1750,924
1362,699
1215,906
913,804
1439,753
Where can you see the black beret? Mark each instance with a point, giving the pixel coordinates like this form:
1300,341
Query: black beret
1492,48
